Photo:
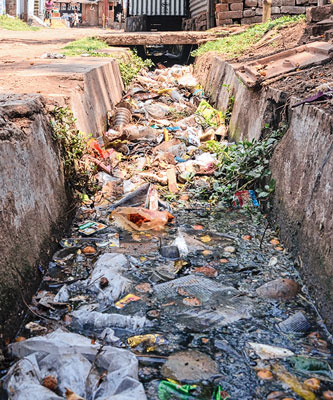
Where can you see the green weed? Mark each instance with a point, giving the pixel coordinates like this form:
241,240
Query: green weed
85,46
130,64
244,166
15,24
73,147
233,46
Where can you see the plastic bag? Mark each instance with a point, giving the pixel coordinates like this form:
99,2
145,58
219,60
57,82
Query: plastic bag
76,363
109,266
168,390
141,219
211,116
294,384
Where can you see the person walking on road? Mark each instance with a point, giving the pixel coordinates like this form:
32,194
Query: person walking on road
49,10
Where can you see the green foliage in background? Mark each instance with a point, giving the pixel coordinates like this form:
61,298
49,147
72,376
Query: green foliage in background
244,166
15,24
235,45
84,46
130,63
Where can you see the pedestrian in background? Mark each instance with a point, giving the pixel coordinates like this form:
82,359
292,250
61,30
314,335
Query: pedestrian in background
49,10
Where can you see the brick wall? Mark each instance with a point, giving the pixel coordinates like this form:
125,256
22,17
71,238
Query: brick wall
250,11
199,23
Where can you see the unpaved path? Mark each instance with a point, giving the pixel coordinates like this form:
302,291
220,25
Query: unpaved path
21,50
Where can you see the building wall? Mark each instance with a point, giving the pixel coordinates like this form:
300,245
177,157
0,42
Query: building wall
11,7
90,14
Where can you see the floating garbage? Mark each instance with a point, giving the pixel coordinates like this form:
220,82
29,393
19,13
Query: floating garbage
141,219
190,366
76,364
91,227
149,342
126,300
96,322
178,274
297,324
267,352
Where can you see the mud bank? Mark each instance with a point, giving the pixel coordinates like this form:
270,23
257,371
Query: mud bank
34,201
301,166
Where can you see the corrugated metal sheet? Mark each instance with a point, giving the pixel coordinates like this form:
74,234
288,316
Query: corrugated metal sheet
198,6
157,7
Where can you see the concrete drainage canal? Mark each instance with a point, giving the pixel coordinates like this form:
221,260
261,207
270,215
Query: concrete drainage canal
170,284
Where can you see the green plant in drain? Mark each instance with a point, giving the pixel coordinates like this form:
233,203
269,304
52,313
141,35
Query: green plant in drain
73,148
243,166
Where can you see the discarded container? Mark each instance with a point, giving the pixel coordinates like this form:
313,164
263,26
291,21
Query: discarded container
91,227
279,289
122,118
312,366
212,117
296,323
171,252
95,321
62,256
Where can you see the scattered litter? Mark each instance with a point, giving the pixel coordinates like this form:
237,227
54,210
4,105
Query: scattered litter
141,219
148,342
91,227
296,323
190,366
267,352
244,198
75,362
53,55
153,268
126,300
294,384
279,289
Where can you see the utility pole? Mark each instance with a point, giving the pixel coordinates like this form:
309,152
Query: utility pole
105,13
25,11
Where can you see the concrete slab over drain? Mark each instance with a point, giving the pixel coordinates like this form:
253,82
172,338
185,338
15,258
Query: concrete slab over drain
284,62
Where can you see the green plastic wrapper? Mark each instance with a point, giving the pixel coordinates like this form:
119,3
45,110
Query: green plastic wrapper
310,366
168,390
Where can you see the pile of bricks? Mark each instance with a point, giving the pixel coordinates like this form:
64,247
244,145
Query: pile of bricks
199,23
250,11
